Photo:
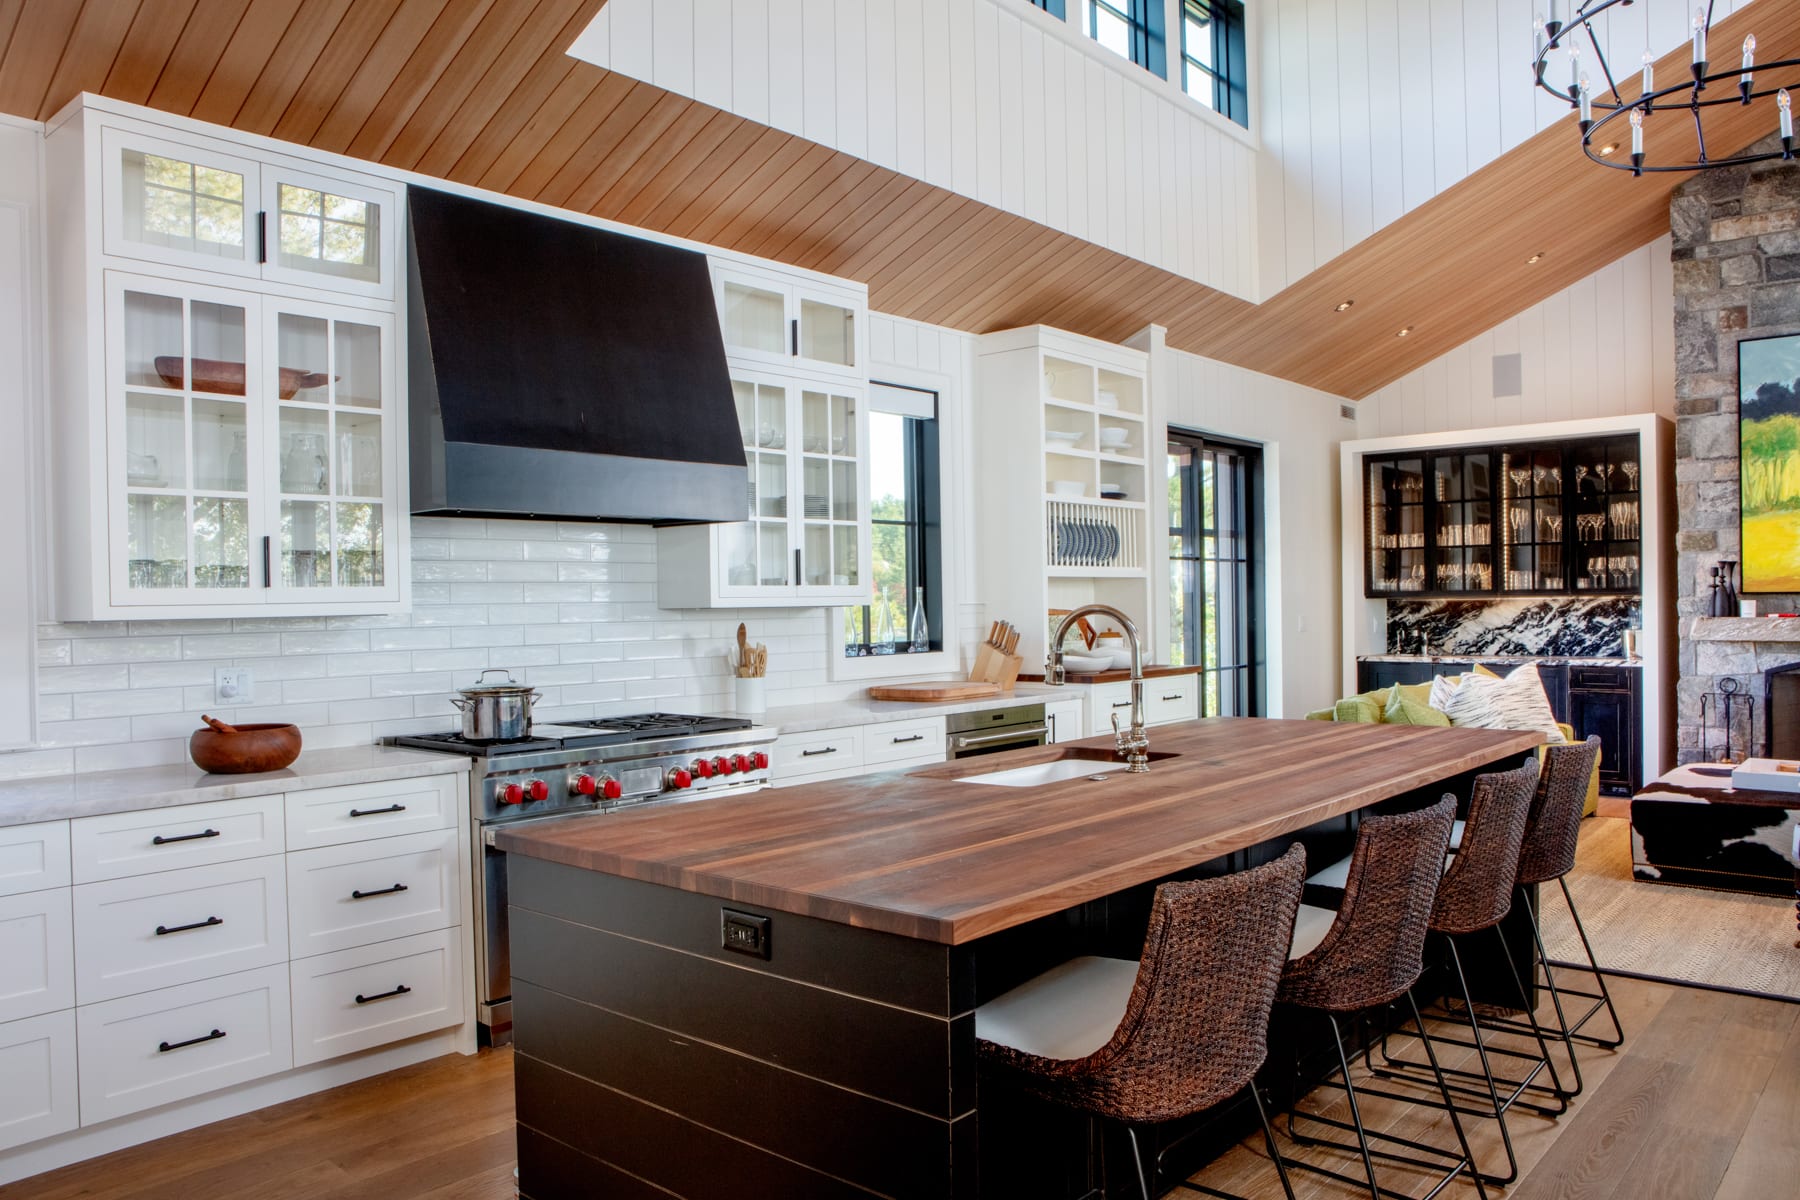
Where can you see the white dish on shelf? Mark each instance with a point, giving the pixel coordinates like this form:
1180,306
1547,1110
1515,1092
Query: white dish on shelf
1064,436
1115,437
1106,399
1068,487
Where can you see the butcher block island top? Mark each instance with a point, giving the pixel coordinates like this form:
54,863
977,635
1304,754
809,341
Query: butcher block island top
926,856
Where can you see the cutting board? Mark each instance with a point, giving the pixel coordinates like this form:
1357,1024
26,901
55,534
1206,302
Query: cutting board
943,689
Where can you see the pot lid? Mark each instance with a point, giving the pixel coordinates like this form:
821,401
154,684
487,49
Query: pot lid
509,688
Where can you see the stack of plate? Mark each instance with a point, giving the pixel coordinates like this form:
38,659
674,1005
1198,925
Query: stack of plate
817,507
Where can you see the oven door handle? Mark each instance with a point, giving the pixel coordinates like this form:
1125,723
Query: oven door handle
964,742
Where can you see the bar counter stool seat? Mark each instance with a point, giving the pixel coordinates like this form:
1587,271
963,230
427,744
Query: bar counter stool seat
1181,1030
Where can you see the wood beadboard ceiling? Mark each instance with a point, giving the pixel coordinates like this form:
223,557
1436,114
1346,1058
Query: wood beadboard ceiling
482,92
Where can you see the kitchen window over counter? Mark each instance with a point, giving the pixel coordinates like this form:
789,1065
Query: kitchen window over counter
1215,576
906,526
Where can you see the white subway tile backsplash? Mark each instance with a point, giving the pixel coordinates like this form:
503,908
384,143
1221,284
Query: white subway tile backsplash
373,663
229,645
352,687
127,704
111,677
325,641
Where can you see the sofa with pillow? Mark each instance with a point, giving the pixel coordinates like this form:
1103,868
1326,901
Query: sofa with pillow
1516,701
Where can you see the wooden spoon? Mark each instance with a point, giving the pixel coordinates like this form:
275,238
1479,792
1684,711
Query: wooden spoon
218,725
743,647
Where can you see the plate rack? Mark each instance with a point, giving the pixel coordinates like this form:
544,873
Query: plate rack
1093,537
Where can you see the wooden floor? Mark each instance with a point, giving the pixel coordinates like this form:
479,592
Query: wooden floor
1703,1103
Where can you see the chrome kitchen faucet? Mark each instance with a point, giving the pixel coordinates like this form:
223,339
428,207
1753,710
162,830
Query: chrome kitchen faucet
1134,745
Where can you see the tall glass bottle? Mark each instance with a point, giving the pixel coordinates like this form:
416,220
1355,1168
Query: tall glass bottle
884,625
921,628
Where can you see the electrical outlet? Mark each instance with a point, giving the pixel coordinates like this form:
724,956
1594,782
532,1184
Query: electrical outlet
744,933
232,685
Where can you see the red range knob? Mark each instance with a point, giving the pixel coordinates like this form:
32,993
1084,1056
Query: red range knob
724,765
512,793
703,768
583,785
680,778
537,789
610,789
741,762
760,761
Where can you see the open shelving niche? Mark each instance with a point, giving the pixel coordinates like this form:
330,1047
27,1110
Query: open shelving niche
1085,486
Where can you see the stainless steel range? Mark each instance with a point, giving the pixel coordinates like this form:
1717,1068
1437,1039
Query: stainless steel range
577,770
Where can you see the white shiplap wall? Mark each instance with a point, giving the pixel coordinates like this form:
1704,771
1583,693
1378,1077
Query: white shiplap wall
1369,108
1604,346
570,607
992,99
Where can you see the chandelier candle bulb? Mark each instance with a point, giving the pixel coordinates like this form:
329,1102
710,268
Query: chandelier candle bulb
1587,103
1649,72
1574,71
1699,42
1637,140
1749,62
1785,107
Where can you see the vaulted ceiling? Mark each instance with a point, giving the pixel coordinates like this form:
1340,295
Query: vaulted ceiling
482,92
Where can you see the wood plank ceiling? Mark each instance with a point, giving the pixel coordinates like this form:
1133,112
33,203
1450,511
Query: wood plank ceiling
481,91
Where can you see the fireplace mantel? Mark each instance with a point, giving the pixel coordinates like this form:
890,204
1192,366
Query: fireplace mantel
1746,629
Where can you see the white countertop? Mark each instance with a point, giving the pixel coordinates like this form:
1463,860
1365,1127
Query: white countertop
60,797
860,710
1509,659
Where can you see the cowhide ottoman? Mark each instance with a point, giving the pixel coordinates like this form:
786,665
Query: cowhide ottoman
1691,827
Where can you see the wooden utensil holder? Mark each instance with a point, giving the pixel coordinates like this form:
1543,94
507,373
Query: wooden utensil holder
992,666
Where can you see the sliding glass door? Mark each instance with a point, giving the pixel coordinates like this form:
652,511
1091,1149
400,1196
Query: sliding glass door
1215,576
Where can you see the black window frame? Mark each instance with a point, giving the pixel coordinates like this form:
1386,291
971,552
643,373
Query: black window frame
924,536
1145,35
1187,538
1231,96
1053,7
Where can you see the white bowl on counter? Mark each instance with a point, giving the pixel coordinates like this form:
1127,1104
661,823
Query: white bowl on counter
1086,664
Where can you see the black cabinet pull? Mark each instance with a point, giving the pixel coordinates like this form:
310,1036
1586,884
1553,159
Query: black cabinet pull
268,578
794,336
1123,704
399,991
1176,696
796,566
262,237
821,750
917,737
387,891
165,930
375,812
160,840
165,1047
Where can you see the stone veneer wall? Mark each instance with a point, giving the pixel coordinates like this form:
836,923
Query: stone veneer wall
1737,276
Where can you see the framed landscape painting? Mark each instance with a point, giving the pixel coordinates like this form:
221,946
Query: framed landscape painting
1769,462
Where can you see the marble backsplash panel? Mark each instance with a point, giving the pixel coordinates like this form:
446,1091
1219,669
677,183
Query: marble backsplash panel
1551,628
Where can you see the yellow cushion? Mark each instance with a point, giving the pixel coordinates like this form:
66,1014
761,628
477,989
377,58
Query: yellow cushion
1357,710
1481,670
1320,714
1418,693
1402,711
1592,803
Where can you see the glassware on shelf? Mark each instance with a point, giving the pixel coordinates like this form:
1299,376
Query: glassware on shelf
1631,475
884,624
921,628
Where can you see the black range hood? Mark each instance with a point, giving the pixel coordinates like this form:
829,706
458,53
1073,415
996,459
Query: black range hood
562,371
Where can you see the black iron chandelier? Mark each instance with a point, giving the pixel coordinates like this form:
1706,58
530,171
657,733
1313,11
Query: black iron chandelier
1699,90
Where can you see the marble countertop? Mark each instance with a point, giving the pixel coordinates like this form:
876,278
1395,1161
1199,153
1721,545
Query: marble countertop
60,797
860,710
1509,659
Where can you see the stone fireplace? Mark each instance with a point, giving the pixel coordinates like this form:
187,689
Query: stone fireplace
1737,276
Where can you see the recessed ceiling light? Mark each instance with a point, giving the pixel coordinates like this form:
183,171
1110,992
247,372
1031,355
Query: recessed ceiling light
1608,149
1404,332
1346,304
1535,258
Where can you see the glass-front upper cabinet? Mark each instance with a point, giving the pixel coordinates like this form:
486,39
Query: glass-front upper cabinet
193,206
832,426
1532,535
1605,514
249,450
1463,488
775,319
1395,506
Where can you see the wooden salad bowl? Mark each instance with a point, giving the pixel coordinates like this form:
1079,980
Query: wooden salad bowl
246,750
227,378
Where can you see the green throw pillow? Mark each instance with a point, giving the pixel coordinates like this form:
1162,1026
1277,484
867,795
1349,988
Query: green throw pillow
1356,710
1402,710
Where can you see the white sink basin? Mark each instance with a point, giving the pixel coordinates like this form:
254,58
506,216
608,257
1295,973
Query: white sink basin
1038,774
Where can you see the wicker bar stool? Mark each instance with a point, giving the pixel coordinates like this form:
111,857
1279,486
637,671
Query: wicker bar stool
1549,854
1368,955
1474,896
1183,1029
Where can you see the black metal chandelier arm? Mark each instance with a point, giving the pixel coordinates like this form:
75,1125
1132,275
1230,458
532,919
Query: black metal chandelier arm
1735,98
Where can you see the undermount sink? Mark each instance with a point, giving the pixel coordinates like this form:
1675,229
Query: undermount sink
1075,763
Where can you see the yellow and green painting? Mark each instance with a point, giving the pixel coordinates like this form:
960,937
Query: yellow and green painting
1769,462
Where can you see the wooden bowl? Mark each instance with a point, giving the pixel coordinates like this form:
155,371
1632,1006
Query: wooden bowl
227,378
251,749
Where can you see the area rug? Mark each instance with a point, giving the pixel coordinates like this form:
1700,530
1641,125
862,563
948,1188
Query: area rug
1683,934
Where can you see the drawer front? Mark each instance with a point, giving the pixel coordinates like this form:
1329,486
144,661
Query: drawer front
1106,699
162,839
355,999
1064,720
903,740
817,752
362,892
331,816
37,1061
1171,698
1599,677
37,948
34,857
155,931
179,1042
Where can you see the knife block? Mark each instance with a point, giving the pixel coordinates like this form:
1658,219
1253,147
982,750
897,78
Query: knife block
993,666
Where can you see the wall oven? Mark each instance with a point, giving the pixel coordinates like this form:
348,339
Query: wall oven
992,730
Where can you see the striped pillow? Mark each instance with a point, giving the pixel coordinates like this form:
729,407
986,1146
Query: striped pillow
1515,702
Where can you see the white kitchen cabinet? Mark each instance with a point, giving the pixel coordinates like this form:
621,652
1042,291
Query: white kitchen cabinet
37,948
116,845
816,755
1065,721
807,542
359,892
37,1061
227,425
903,742
779,319
369,995
34,857
1167,699
196,203
360,811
